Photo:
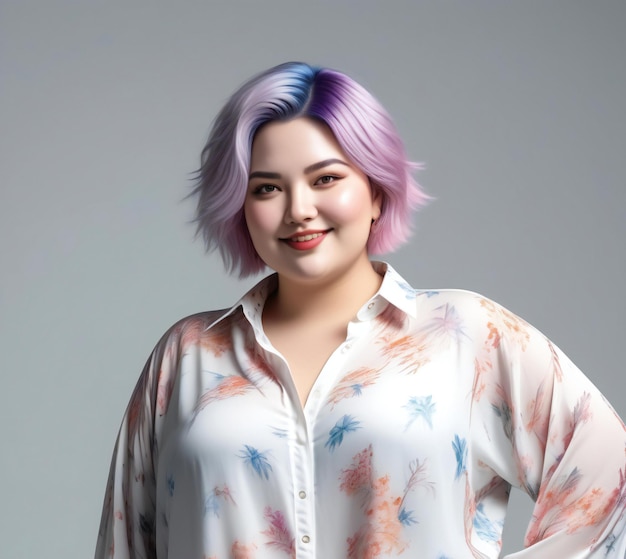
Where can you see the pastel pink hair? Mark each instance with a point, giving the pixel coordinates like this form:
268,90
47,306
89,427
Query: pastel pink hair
361,126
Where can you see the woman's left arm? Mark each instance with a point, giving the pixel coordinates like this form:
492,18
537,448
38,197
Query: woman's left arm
559,440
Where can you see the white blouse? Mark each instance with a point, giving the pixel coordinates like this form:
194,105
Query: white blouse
418,424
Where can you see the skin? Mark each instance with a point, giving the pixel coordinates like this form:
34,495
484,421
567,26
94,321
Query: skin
309,211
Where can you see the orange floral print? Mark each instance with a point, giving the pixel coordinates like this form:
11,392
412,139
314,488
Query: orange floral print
271,477
481,368
258,366
504,322
382,533
358,477
538,415
195,331
411,351
228,387
564,507
353,383
385,514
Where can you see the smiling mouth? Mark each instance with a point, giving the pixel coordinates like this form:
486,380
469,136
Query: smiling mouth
304,237
305,240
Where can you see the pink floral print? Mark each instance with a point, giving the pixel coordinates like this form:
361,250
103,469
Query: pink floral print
408,446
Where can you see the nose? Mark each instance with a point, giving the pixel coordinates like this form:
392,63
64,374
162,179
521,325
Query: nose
301,206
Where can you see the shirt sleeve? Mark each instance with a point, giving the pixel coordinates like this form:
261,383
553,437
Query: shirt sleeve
542,426
127,527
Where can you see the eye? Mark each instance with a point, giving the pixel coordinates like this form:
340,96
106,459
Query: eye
326,179
265,189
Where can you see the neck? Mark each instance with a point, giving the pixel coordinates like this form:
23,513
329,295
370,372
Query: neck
338,299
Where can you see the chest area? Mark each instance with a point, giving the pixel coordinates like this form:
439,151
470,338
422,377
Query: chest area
366,387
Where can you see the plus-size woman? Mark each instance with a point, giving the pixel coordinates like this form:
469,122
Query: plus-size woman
335,411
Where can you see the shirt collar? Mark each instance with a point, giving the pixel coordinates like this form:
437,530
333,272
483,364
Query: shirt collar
394,289
252,303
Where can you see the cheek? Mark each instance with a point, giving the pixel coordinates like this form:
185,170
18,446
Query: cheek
260,219
350,205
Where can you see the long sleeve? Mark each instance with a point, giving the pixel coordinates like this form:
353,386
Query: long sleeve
127,528
410,439
541,425
127,525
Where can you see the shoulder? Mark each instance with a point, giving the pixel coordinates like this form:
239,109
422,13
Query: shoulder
201,329
470,305
480,317
200,322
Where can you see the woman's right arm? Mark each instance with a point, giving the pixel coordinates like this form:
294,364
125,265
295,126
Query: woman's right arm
127,527
127,524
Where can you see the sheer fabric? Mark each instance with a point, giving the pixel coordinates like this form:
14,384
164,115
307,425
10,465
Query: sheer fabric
436,403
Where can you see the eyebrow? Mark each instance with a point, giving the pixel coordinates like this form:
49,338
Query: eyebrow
307,170
264,175
323,164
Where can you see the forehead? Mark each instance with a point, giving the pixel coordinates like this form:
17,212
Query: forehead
293,144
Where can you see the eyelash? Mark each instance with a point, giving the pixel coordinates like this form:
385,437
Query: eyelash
260,190
333,177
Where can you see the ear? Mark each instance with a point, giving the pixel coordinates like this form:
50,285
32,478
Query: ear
377,204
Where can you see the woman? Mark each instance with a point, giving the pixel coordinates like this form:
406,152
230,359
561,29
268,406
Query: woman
334,411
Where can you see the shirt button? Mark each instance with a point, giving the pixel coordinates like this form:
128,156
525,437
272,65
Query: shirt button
371,306
302,494
306,539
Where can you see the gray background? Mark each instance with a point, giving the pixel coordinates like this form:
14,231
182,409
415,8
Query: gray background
517,108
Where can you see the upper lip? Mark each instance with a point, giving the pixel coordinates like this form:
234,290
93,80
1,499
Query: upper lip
304,234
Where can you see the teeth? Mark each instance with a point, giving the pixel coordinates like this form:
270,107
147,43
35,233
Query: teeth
306,237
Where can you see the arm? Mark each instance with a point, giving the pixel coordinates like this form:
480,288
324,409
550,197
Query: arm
127,527
127,524
542,426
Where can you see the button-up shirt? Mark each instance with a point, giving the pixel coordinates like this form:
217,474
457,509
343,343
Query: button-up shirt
412,435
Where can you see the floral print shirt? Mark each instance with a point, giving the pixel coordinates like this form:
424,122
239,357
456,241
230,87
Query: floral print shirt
416,428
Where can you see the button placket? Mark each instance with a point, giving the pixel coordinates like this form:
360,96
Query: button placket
303,465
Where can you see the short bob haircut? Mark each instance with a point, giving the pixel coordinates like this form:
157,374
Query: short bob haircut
361,126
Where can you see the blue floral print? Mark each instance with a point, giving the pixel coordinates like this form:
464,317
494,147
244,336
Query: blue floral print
452,387
406,517
257,461
346,424
460,453
488,530
420,407
409,292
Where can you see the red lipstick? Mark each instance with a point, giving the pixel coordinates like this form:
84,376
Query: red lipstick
306,240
